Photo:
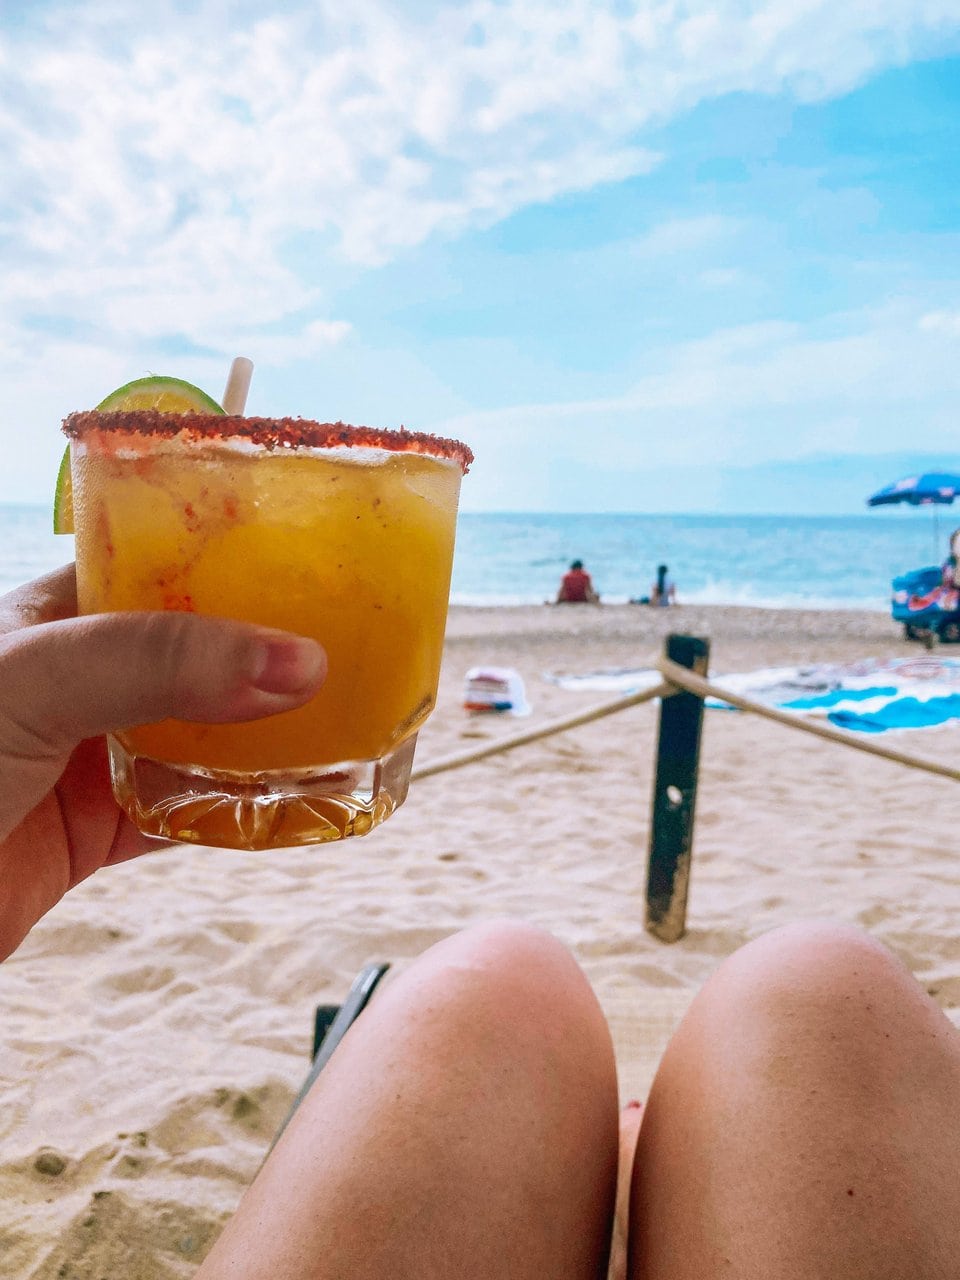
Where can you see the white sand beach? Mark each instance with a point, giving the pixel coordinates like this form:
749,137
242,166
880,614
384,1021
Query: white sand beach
156,1025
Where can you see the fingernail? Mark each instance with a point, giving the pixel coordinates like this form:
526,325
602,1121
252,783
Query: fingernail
287,665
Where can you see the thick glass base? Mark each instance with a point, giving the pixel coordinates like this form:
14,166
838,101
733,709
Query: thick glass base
271,810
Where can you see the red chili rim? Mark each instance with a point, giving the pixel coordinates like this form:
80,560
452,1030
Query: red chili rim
270,433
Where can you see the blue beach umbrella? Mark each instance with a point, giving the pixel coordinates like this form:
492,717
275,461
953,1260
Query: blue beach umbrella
932,488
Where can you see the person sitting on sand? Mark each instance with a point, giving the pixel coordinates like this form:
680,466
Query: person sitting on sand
663,592
576,586
803,1121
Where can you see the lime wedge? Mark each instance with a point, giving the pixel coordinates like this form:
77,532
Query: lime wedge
168,395
63,497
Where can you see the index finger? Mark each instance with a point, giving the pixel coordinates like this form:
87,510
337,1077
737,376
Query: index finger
46,599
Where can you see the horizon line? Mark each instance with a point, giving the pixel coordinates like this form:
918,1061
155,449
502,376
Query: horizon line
890,512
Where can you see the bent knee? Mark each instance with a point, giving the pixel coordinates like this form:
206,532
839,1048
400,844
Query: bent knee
513,956
824,984
514,974
811,956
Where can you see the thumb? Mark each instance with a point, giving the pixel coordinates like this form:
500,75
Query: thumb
64,681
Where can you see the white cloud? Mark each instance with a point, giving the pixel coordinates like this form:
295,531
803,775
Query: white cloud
866,383
947,322
311,341
683,236
180,153
722,278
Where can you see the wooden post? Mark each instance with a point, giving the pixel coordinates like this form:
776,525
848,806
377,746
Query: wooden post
674,796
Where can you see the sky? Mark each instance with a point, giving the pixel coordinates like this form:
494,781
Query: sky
642,255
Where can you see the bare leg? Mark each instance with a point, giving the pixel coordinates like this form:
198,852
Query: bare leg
805,1122
466,1127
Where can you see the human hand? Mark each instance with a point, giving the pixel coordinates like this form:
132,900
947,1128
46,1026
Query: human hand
66,681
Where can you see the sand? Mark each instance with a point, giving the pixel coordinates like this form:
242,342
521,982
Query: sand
156,1025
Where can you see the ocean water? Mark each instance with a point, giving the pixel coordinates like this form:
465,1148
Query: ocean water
821,562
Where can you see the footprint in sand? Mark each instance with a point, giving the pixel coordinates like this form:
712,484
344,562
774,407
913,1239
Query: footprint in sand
148,977
114,1236
208,1120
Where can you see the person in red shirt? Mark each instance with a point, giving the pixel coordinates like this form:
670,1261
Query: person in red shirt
576,587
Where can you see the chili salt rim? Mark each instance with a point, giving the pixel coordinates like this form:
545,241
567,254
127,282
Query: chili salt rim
271,433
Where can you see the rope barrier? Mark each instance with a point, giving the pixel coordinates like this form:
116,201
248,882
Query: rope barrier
682,678
679,678
531,735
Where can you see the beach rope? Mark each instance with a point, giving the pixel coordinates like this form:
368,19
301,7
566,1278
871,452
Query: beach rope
682,678
545,731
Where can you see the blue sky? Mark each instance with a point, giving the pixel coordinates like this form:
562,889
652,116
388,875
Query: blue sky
642,256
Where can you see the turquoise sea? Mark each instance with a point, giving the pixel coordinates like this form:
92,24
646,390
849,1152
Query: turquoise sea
821,562
824,562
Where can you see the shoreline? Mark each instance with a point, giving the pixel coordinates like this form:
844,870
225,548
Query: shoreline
798,605
736,632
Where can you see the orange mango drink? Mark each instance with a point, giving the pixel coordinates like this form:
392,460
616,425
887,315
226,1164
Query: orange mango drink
339,533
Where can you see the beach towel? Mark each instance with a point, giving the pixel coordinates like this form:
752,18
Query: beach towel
872,695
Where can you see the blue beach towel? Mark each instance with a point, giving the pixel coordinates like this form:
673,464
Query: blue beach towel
901,713
839,695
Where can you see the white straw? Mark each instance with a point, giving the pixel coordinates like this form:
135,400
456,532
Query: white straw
238,384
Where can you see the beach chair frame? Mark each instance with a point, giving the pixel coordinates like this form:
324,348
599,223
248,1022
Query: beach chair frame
331,1022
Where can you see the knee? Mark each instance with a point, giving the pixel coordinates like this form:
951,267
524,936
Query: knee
523,966
510,979
810,954
822,985
811,961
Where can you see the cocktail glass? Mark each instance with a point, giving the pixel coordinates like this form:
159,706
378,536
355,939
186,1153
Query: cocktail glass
344,534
